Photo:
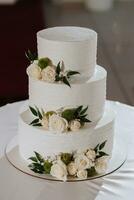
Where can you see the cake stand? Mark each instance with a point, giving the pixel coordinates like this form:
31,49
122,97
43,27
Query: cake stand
118,158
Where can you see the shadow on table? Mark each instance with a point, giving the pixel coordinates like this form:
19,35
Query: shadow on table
37,189
71,191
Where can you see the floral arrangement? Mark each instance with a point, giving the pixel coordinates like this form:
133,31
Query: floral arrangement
76,165
62,120
44,69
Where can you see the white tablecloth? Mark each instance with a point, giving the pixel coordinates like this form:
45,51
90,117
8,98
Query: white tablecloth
14,185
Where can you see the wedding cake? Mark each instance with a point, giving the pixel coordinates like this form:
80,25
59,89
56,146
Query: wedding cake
67,130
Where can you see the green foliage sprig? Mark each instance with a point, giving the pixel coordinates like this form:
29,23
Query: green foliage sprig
62,75
98,150
31,56
39,165
38,114
76,113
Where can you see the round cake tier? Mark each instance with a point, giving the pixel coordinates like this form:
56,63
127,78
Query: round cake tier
76,46
91,93
49,143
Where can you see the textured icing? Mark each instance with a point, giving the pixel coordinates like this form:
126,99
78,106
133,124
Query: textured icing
53,96
76,46
48,143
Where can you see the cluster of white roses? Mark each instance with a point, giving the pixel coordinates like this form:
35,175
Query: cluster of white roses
47,74
57,123
79,166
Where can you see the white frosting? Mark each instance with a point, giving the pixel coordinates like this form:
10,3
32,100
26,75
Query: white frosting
48,143
76,46
91,93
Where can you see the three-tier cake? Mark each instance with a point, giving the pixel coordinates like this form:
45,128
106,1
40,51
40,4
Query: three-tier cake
67,130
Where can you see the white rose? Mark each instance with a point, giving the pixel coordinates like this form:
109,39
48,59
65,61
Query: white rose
75,125
72,168
101,165
34,71
82,162
45,122
57,123
91,154
82,174
59,170
48,74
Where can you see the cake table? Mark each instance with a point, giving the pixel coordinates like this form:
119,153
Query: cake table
17,185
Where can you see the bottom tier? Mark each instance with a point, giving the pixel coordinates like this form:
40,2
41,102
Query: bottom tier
46,143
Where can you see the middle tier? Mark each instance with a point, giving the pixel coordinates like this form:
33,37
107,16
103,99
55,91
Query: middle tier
52,96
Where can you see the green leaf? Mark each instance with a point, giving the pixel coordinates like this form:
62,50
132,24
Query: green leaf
31,56
84,110
47,166
96,148
83,116
58,69
102,145
91,172
68,114
44,62
58,78
39,157
34,159
85,120
34,112
66,81
66,158
39,113
35,121
79,109
101,154
38,124
72,73
37,168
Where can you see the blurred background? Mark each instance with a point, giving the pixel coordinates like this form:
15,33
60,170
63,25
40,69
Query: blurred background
112,19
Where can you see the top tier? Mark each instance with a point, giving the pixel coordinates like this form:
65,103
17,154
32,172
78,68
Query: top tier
76,46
